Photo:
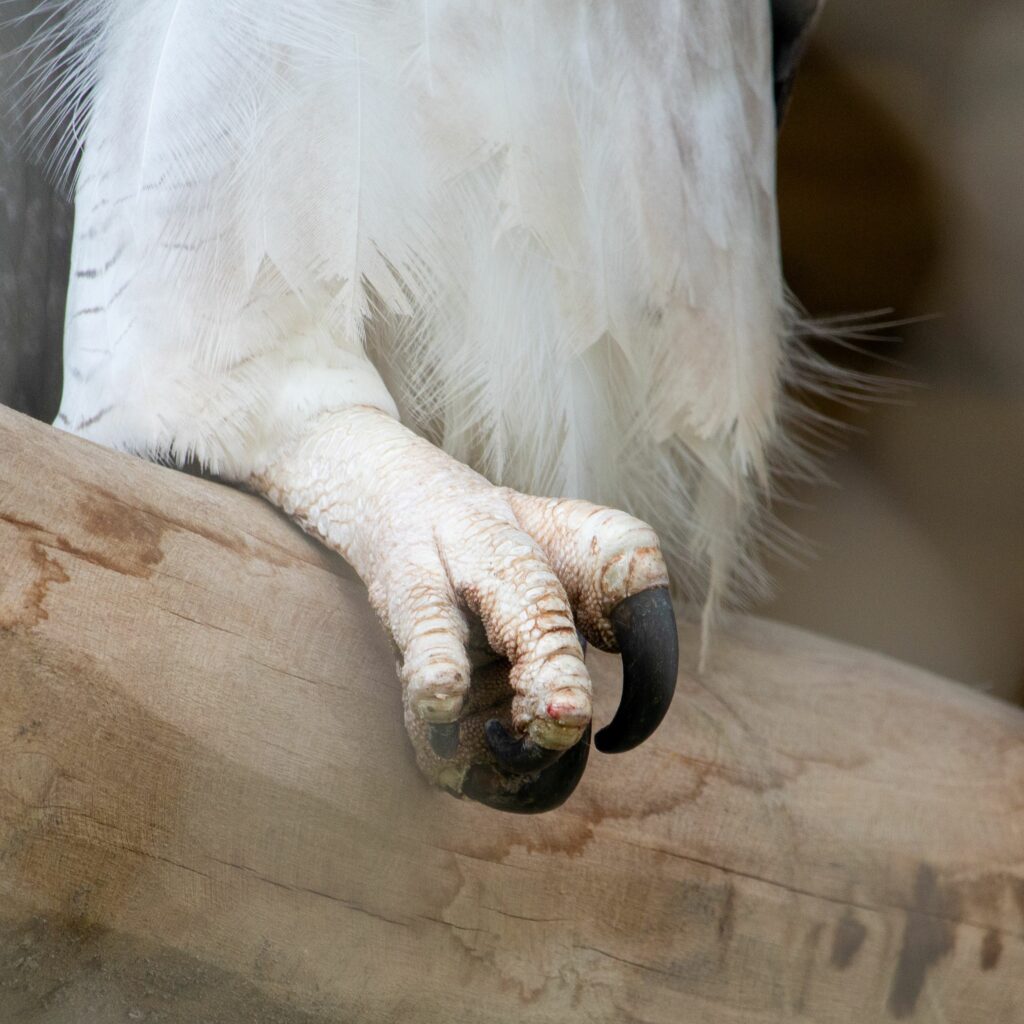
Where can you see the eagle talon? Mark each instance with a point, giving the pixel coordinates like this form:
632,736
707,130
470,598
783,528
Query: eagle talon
444,739
645,630
533,793
517,754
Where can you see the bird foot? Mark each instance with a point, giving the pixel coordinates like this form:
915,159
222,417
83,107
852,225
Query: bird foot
483,590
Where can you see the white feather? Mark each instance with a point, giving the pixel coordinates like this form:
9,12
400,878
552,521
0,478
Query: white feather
551,225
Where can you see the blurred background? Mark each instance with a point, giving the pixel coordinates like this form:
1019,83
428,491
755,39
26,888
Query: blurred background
900,185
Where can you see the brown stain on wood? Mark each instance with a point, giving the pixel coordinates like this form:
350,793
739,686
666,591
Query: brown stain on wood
128,544
676,782
991,949
929,934
27,608
113,535
846,942
572,830
129,538
107,514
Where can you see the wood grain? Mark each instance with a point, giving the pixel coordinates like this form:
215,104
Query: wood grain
202,763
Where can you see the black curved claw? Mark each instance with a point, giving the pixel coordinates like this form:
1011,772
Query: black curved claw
645,628
519,756
551,787
444,739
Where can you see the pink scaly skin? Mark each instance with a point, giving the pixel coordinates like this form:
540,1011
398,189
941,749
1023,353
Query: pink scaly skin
443,551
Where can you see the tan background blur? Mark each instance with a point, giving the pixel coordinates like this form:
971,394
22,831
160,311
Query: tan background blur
901,174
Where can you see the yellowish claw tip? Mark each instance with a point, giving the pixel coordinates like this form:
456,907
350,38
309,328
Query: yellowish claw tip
554,735
438,708
451,779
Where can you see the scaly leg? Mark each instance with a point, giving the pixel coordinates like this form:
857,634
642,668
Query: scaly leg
441,549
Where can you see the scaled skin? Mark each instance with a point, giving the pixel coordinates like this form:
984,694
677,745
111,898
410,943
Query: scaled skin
437,544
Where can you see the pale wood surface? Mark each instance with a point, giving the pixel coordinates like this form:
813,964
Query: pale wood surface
204,776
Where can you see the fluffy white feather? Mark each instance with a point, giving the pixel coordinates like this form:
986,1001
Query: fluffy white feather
550,224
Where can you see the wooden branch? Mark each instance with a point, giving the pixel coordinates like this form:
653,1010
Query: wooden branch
204,776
